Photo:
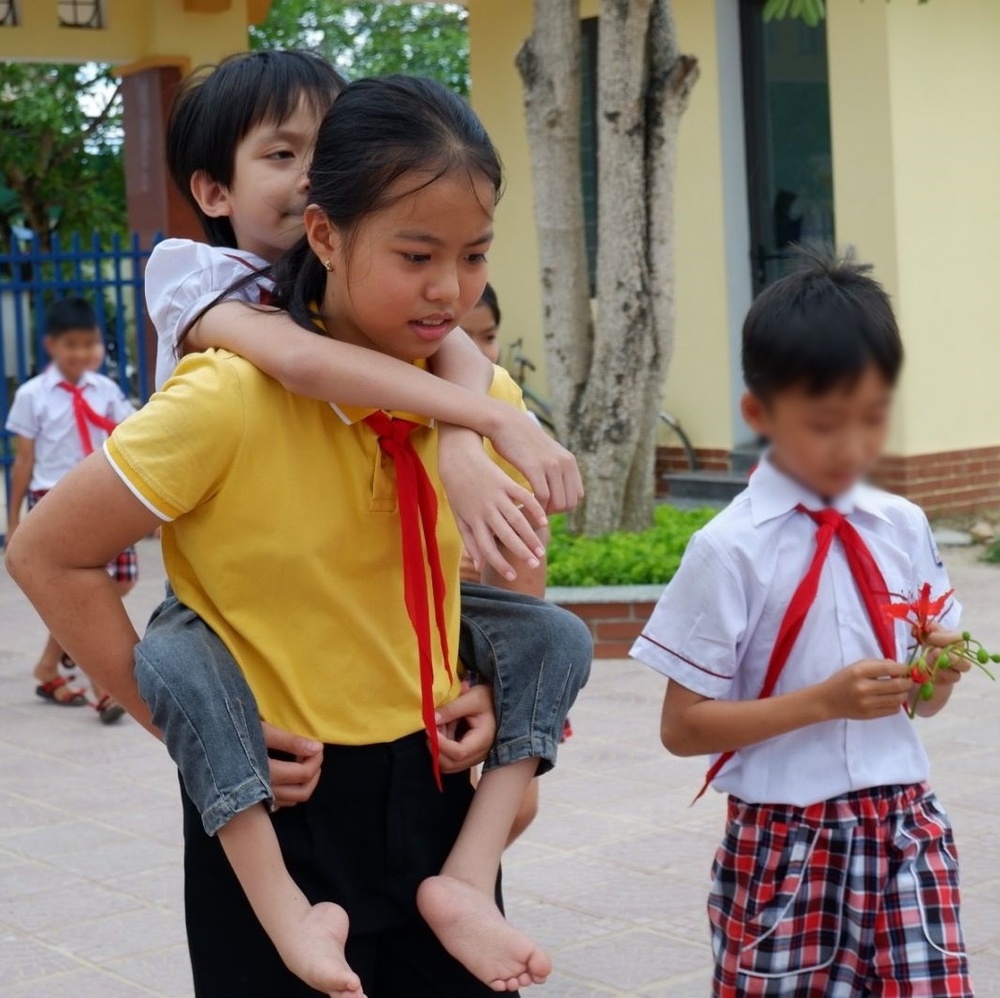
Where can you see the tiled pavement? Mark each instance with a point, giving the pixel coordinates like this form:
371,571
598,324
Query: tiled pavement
612,877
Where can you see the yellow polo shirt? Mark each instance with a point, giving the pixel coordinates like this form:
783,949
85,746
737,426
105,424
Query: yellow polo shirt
282,534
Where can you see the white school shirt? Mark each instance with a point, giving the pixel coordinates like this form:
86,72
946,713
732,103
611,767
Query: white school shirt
43,412
182,278
715,626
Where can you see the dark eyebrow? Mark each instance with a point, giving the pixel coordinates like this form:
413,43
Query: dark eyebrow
426,237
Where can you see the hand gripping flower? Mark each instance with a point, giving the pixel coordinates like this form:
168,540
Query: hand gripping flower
926,659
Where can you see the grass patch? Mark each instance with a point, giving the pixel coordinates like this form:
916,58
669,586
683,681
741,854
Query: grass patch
624,559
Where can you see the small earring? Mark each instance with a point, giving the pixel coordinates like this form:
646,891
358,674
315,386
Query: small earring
328,266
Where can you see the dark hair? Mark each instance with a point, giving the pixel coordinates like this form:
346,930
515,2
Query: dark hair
70,315
217,106
489,300
378,131
820,326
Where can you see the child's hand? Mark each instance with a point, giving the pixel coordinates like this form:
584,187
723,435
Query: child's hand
478,729
488,505
866,690
550,469
293,781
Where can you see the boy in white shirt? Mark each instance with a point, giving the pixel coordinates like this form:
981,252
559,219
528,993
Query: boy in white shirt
837,875
60,417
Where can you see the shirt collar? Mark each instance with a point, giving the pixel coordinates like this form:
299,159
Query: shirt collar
352,414
52,378
774,494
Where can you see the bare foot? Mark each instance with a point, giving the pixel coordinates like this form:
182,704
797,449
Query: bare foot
470,927
313,949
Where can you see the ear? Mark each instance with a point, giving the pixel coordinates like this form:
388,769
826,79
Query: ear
754,413
324,237
211,196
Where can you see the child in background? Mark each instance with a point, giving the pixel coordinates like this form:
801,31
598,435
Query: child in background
482,325
272,146
837,875
59,418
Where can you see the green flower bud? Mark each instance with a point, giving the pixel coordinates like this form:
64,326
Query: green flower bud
943,662
983,656
927,691
995,658
966,636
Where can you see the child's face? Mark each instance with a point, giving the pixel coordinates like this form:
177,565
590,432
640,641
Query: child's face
413,269
270,184
826,442
72,352
482,330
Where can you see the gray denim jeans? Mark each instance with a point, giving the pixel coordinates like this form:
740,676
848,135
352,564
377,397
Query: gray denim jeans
536,655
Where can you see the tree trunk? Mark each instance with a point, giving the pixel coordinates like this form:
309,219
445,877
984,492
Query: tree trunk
607,376
549,64
671,78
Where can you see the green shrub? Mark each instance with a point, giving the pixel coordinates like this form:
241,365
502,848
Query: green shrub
992,552
624,559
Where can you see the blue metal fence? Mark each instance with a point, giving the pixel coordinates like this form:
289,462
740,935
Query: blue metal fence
106,272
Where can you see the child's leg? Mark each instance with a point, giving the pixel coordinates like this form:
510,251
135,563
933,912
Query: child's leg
919,944
208,716
537,657
526,813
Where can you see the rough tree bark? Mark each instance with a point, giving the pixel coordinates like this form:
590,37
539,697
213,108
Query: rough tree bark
607,376
549,63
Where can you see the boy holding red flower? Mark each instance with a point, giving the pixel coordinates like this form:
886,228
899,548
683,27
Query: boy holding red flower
837,875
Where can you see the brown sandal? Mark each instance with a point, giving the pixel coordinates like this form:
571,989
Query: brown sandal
47,691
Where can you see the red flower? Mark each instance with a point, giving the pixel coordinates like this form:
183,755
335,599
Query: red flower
921,612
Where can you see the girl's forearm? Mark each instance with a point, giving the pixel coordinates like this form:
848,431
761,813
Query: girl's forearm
713,726
82,609
315,366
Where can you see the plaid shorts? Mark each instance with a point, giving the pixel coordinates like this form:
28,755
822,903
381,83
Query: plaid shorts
124,568
858,895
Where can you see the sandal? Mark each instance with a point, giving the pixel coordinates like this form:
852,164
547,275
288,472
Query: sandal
108,711
47,691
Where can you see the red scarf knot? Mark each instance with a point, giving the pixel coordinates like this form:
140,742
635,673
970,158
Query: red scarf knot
871,586
418,509
86,415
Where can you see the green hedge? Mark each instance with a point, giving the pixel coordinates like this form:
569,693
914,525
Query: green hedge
623,559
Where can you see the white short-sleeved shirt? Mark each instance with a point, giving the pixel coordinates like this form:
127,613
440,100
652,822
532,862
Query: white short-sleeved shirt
182,278
43,412
715,626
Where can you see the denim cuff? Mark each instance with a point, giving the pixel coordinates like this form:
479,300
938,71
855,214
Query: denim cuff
232,802
534,746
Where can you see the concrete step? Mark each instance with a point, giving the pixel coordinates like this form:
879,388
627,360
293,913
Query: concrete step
705,486
744,458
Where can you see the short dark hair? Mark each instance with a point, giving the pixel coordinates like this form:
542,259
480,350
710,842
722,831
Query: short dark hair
820,326
379,131
69,315
489,300
217,106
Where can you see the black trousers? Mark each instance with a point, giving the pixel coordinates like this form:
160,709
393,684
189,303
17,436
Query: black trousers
375,827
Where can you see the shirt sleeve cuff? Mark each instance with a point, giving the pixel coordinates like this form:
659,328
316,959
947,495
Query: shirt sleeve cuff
674,665
135,484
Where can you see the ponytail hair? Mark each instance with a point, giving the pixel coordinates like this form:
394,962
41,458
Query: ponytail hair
377,132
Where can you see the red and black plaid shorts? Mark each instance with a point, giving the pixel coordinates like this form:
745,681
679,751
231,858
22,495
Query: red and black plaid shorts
124,568
855,895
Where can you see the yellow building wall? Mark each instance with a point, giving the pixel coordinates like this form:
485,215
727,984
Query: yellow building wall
136,31
698,388
945,87
916,140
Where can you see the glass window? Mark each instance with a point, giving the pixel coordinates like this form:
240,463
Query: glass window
786,94
80,14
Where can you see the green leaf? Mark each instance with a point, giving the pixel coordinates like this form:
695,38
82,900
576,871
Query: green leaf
374,39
